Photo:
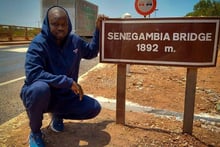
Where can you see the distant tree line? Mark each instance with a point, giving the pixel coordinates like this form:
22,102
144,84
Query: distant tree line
206,8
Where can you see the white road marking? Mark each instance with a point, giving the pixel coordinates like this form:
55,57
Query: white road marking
18,50
11,81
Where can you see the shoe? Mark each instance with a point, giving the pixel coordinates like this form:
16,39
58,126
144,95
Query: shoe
35,140
56,124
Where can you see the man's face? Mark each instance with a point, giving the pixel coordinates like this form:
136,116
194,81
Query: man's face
58,22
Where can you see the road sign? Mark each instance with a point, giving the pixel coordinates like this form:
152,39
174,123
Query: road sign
145,7
187,42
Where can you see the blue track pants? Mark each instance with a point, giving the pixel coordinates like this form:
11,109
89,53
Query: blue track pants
38,98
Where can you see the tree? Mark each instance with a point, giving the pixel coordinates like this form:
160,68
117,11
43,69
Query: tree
206,8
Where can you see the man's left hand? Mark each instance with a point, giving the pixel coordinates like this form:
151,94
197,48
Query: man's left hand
99,20
77,89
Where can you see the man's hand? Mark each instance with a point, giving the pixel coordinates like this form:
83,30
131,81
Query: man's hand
77,89
99,20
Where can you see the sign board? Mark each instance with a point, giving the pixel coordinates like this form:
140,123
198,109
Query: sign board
145,7
187,42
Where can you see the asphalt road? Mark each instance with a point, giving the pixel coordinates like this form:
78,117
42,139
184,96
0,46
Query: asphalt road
12,78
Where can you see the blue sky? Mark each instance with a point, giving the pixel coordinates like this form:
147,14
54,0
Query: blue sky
27,12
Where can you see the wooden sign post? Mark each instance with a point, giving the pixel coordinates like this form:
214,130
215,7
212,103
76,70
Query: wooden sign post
185,42
191,78
121,93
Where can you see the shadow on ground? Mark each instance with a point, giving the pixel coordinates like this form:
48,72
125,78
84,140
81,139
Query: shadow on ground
79,134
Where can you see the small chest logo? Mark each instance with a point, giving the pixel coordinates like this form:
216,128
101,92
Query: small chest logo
75,50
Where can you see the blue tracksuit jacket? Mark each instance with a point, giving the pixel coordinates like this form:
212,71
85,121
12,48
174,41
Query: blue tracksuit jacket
57,66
